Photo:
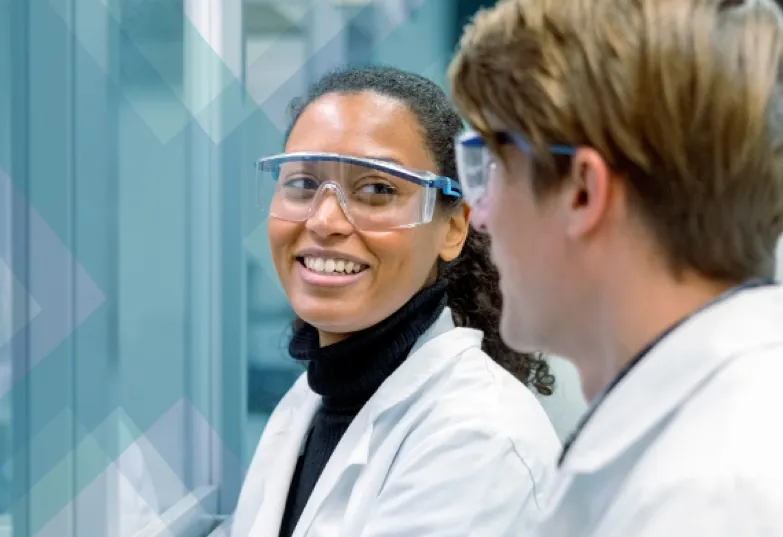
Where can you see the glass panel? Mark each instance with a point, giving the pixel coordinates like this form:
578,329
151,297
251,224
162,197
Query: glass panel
9,285
164,270
118,412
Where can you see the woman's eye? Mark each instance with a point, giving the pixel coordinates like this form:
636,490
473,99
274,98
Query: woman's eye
303,183
378,189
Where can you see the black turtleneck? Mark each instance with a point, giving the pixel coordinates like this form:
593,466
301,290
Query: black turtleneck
346,375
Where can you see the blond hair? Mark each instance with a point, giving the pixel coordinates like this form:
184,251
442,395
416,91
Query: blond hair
681,97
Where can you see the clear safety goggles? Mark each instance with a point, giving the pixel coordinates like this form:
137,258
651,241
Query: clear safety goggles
375,195
477,166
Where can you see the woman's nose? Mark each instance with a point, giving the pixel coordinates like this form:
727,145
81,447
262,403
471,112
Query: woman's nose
328,217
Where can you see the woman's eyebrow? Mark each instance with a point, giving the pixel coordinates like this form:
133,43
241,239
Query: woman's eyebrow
385,159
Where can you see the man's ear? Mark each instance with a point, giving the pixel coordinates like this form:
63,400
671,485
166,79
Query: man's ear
458,226
587,193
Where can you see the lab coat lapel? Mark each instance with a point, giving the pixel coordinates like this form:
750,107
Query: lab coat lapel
434,351
351,451
287,434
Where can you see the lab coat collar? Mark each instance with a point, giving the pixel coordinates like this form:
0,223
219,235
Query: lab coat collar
440,345
673,370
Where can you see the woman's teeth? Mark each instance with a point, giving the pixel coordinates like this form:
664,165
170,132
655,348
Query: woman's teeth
332,266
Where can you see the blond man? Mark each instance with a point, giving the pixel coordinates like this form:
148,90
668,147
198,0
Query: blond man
626,158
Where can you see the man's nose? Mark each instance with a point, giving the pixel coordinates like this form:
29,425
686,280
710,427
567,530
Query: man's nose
479,214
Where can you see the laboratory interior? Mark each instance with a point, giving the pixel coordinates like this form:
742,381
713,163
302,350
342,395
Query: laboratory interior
143,330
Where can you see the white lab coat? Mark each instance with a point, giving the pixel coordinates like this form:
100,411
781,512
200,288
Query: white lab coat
451,445
690,442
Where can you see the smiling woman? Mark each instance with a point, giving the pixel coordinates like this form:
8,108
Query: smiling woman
399,253
402,424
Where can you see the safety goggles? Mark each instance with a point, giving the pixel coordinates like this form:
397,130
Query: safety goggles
375,195
476,166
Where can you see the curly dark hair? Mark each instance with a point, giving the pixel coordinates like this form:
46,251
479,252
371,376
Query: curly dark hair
472,280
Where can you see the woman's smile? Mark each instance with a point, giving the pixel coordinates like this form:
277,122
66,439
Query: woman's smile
327,268
328,279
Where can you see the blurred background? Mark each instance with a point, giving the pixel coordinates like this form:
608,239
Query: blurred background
143,333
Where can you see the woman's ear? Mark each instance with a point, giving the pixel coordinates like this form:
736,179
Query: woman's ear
456,233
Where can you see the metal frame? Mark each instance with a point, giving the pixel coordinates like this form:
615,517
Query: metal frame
218,376
201,303
19,255
28,74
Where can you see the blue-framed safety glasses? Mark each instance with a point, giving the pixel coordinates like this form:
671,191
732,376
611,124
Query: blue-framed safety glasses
375,195
476,165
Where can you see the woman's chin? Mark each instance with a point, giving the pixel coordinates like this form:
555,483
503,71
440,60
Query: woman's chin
331,319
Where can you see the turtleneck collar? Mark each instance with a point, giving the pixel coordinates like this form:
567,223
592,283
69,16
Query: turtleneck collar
346,374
